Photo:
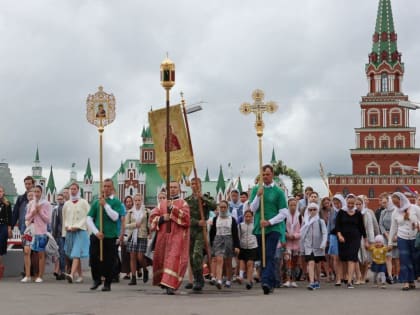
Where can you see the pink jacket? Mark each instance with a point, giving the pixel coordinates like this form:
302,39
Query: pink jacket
41,219
293,228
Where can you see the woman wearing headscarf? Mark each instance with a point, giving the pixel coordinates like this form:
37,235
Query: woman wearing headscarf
312,244
77,241
338,203
39,213
405,222
350,230
392,257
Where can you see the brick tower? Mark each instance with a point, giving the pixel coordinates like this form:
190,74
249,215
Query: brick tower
385,158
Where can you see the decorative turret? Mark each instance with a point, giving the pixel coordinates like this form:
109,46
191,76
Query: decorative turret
221,185
37,171
51,190
73,173
240,185
36,168
147,149
88,183
207,177
273,157
385,69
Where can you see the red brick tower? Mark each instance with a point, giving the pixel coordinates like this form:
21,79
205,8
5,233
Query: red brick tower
385,158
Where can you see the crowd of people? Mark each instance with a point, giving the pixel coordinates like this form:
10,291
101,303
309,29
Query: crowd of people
268,238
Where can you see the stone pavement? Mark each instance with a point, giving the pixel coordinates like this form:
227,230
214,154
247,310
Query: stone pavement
59,297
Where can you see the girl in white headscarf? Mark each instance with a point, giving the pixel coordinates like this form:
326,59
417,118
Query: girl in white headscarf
313,243
404,226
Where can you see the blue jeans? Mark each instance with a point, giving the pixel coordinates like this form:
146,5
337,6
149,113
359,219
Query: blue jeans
408,260
268,274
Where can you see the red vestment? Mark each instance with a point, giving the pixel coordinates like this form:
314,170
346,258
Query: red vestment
171,255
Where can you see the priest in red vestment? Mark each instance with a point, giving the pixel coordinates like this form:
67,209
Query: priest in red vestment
170,258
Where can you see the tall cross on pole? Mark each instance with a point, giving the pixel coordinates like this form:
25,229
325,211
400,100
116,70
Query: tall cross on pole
258,108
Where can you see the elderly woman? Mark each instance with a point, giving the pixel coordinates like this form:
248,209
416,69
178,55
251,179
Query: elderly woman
313,243
404,226
350,230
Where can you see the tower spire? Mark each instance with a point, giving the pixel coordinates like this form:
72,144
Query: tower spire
273,157
221,185
384,48
37,155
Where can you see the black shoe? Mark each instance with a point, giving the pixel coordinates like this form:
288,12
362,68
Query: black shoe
106,288
188,286
266,289
95,285
133,281
170,291
249,286
389,280
145,275
61,277
197,287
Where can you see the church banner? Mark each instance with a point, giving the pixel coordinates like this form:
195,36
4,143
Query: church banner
181,158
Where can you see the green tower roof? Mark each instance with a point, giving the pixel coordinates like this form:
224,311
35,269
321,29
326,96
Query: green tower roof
51,182
273,157
384,46
221,181
122,169
207,177
88,173
37,155
240,188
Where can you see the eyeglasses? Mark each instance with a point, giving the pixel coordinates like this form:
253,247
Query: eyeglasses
222,207
313,209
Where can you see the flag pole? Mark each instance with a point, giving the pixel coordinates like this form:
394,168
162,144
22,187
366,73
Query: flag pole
200,201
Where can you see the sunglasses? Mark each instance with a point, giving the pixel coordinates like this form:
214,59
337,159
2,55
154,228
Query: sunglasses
313,209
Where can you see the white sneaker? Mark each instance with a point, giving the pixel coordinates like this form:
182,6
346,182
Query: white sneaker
79,280
286,284
294,285
39,280
26,280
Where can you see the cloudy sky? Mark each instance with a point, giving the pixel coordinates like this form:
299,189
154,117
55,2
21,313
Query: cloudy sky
306,55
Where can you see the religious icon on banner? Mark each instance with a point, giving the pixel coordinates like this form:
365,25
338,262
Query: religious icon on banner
181,158
100,109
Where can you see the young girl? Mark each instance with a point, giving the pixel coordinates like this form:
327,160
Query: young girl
379,252
39,212
137,225
291,255
248,250
313,242
225,243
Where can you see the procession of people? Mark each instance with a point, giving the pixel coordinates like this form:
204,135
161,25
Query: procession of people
300,241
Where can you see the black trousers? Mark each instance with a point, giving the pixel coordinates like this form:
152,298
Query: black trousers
102,268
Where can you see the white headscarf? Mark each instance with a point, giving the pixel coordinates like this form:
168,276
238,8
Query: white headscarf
364,209
404,202
340,198
346,208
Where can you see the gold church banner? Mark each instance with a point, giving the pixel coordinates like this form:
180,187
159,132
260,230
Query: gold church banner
181,158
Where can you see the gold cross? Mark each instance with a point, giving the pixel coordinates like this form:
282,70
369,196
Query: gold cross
258,107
